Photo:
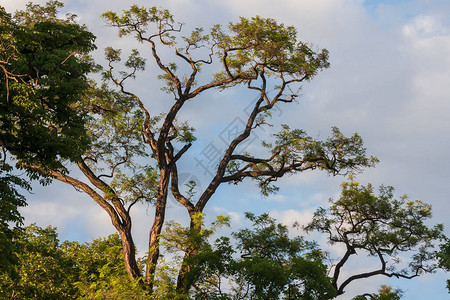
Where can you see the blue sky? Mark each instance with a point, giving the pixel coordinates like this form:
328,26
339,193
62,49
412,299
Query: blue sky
388,81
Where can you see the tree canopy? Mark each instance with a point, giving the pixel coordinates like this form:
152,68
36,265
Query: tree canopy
44,67
43,74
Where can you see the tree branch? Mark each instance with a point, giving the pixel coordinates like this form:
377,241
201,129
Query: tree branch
117,222
105,188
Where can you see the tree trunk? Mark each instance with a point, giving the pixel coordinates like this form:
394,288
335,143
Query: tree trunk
129,254
183,286
153,244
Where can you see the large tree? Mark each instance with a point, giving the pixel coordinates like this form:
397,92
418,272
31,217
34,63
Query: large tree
135,152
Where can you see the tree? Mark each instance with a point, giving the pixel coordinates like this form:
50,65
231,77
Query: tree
48,269
100,270
44,272
256,53
270,264
43,67
385,293
381,227
10,218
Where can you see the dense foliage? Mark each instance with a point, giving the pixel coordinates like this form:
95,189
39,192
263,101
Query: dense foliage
43,68
259,262
48,269
262,262
10,217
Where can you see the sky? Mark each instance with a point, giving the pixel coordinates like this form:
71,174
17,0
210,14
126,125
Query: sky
389,81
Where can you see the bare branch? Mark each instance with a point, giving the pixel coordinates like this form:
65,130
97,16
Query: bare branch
218,178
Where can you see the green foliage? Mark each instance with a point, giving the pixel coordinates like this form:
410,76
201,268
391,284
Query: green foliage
179,238
265,43
247,48
337,154
369,221
117,147
44,64
47,269
10,218
274,264
271,265
294,151
139,18
444,259
43,68
44,271
36,13
100,270
385,293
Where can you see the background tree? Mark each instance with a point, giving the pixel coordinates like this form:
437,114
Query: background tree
261,262
10,217
385,293
44,271
100,270
48,269
381,227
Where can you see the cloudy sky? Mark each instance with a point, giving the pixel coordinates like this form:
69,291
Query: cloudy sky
389,81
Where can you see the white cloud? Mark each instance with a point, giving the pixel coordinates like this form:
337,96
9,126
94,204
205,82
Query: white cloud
51,213
13,5
291,216
425,26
